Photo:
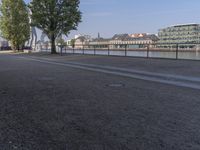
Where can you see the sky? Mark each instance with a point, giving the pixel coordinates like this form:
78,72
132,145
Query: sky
109,17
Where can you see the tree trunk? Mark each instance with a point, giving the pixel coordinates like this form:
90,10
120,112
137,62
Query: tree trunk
53,46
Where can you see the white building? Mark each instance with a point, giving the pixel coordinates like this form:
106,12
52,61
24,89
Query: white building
82,35
3,42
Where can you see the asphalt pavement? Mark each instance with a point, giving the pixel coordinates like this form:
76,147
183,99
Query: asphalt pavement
76,102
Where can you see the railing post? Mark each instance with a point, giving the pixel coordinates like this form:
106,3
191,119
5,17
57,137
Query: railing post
61,50
108,51
148,51
94,50
73,50
125,50
83,50
177,46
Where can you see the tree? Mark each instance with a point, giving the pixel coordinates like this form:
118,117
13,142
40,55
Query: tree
60,41
14,22
72,42
55,17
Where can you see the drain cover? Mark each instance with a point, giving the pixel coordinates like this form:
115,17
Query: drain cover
45,78
3,92
116,85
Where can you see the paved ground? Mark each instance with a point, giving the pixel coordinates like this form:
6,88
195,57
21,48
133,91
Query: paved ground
56,103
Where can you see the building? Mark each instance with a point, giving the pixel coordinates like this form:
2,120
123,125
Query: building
140,40
69,43
43,45
187,36
4,44
82,41
118,41
77,36
99,43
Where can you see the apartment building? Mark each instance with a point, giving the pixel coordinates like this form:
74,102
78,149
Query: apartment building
187,36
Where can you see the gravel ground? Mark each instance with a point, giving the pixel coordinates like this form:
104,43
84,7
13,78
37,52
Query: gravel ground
52,107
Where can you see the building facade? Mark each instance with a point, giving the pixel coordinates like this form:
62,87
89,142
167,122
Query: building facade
187,36
99,43
118,41
140,40
3,43
81,42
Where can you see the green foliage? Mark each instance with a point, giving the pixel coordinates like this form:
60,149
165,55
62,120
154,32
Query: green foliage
14,22
55,17
60,41
72,42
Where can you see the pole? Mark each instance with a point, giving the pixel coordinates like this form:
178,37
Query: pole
148,51
177,51
83,50
125,50
61,50
108,51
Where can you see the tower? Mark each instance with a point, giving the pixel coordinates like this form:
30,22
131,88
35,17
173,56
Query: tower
99,35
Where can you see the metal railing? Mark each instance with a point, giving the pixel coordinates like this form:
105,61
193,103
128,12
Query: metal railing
172,51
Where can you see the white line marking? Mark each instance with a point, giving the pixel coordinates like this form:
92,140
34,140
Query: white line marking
176,80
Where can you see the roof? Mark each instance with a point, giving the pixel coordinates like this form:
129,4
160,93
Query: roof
100,40
181,25
119,36
82,38
126,37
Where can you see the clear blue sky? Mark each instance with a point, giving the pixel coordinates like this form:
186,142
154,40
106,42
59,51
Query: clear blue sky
135,16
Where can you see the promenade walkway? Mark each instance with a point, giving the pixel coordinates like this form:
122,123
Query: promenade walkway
76,102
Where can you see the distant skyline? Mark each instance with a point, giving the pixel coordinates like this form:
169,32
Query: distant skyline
109,17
